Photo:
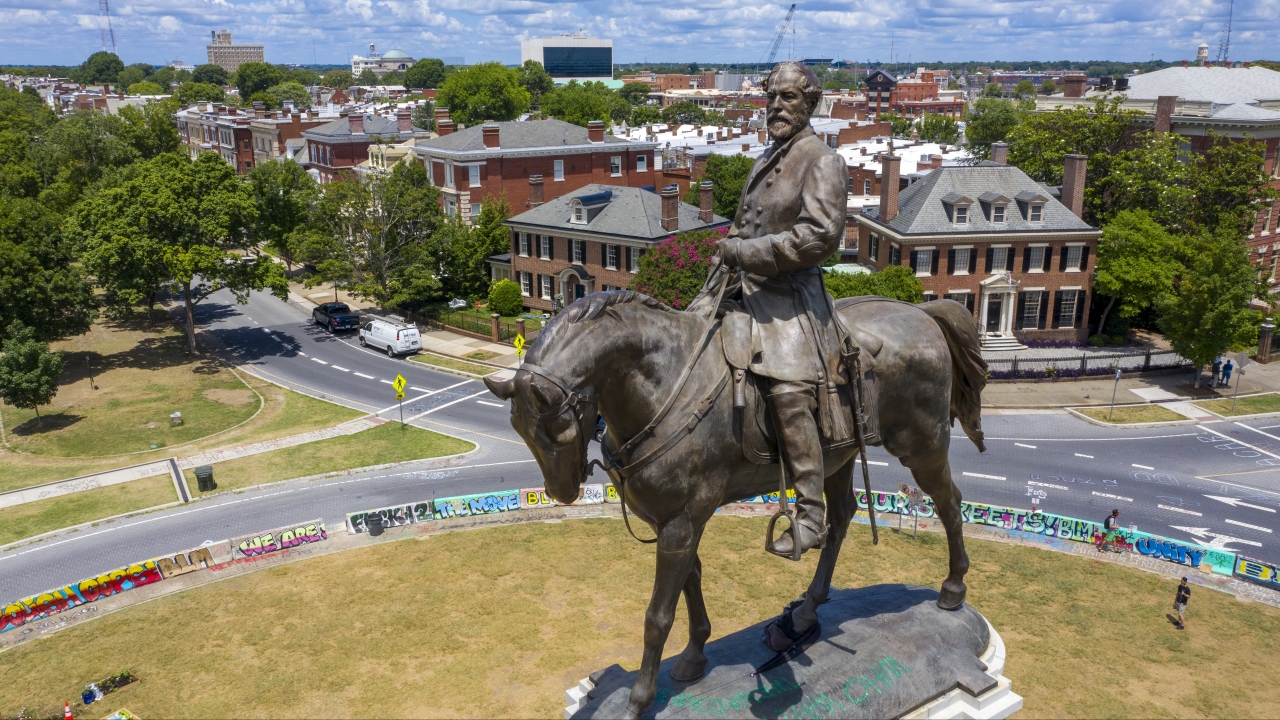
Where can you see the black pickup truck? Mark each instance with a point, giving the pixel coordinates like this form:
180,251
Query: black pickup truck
335,316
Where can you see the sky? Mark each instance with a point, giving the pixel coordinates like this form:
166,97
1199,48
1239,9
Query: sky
64,32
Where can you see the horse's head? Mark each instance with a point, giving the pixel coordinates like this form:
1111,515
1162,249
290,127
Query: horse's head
556,423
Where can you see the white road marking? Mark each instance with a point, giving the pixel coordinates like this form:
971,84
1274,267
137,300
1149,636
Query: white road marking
302,353
1084,456
277,339
1177,509
388,382
452,402
319,361
980,475
1033,447
873,462
429,393
1144,467
1218,542
366,377
1251,527
490,404
1273,437
1235,502
1251,447
1090,440
1113,497
1049,485
339,367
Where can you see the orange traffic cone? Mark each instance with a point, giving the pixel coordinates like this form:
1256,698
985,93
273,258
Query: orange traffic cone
66,711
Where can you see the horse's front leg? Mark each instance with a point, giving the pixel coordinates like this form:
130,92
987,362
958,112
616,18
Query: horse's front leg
677,553
840,509
693,663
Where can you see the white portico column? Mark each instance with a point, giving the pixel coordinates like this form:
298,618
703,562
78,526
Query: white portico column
1007,309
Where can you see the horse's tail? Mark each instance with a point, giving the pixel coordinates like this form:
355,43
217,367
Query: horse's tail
969,370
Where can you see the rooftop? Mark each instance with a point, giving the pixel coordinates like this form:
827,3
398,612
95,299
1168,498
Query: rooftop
627,212
515,135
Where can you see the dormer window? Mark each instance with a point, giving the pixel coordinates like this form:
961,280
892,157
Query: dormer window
1036,213
579,215
584,208
957,208
1031,205
994,206
962,215
997,213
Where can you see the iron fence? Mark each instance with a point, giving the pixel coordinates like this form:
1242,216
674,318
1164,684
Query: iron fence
1082,365
472,325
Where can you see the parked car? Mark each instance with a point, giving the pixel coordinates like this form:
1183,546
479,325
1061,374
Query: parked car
335,316
396,338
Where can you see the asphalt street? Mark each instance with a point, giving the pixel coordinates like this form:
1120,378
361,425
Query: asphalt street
1216,484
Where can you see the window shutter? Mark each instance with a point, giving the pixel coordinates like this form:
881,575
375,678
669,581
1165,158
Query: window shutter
1008,259
537,286
1044,307
1022,307
1062,264
1079,308
1057,309
968,300
1048,259
1084,257
933,265
1026,260
951,262
991,253
551,248
973,264
912,263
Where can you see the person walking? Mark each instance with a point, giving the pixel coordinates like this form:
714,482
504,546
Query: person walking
1226,373
1217,372
1180,603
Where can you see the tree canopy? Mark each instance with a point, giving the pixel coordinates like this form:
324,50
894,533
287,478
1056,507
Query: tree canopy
190,92
426,73
989,120
1137,263
684,112
28,371
283,197
145,88
487,91
675,270
210,73
290,91
728,174
339,78
535,79
40,283
100,67
939,129
256,77
367,77
580,103
895,281
636,93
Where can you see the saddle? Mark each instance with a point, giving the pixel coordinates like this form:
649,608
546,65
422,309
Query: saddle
754,425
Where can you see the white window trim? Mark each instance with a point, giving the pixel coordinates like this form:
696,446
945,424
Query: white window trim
473,171
613,158
557,171
1037,268
642,163
965,268
1035,289
1032,206
1004,213
1077,268
955,215
573,252
1072,287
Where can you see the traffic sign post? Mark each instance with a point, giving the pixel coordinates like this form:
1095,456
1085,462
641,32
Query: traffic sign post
1113,395
519,343
1242,359
399,384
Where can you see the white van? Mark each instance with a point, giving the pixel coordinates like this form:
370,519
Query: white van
396,338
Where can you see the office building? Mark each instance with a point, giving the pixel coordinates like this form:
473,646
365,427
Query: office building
571,57
229,55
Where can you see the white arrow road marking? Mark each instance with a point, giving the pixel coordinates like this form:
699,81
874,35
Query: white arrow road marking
1233,502
1219,542
980,475
1177,509
366,377
1084,456
1144,467
1251,527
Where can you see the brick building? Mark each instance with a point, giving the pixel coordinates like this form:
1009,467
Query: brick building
213,127
231,55
912,97
661,82
992,238
482,163
591,239
272,130
336,147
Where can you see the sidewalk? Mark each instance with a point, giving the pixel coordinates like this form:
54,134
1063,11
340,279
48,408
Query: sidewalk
1257,378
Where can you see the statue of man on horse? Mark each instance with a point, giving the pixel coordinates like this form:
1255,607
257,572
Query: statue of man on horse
791,218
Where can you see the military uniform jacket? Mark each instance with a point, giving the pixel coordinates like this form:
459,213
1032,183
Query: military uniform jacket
790,220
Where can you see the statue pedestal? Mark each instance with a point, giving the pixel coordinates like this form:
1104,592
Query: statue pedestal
885,651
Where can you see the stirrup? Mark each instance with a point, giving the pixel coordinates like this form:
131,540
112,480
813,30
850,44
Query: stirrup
770,543
799,641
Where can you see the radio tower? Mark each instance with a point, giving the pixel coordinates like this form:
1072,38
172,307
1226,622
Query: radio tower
1224,43
108,34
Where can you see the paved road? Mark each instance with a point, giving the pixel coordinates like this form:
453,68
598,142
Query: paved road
1173,481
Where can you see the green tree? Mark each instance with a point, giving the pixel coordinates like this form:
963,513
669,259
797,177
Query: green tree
78,151
694,69
1151,178
506,298
256,77
179,224
395,77
580,103
23,119
211,74
41,285
146,87
1137,263
426,73
424,115
305,77
129,76
286,91
1024,89
100,67
987,121
535,80
283,197
488,91
684,112
728,174
1039,144
149,130
467,248
895,281
1230,179
939,129
992,90
636,93
269,101
1207,312
675,270
1048,88
901,124
339,78
28,371
192,92
367,78
646,115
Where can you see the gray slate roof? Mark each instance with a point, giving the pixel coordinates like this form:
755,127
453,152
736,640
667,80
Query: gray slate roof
634,213
1240,86
921,210
373,125
515,135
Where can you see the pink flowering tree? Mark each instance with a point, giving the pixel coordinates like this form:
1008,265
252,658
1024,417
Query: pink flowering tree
674,271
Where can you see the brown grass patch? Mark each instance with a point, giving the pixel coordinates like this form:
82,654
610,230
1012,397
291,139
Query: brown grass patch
228,397
1128,414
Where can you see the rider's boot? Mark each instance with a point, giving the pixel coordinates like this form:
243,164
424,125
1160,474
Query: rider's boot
801,450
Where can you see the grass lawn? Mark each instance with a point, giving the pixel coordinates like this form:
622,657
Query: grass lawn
498,622
1257,404
1126,414
41,516
383,444
453,364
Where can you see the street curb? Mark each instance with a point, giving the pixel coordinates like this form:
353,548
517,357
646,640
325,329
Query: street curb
1233,418
89,524
1100,423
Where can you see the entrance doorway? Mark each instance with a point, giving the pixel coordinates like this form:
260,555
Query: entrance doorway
579,292
994,305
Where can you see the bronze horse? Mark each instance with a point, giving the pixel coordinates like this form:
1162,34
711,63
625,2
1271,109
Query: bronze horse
619,354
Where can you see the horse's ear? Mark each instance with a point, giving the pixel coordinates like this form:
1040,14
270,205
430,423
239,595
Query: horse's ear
504,389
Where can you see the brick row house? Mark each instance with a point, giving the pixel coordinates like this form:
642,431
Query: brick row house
272,130
993,239
214,127
484,162
337,147
591,239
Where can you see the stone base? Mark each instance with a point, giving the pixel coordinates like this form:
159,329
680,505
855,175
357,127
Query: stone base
885,651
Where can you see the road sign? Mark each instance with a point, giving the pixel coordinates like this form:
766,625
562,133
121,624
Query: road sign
399,384
399,396
1242,359
519,343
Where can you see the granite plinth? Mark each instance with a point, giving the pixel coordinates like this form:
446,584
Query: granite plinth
885,651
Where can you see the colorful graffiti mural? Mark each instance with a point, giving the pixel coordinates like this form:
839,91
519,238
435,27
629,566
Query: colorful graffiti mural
588,494
184,562
53,602
284,538
1258,571
483,504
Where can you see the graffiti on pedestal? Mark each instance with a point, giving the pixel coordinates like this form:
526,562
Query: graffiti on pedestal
291,536
40,606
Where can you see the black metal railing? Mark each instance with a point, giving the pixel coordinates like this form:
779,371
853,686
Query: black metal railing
1083,365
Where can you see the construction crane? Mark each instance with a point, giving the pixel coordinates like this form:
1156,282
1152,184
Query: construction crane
108,34
777,42
1224,42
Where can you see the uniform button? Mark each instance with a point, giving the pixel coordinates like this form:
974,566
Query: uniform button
759,209
777,169
769,182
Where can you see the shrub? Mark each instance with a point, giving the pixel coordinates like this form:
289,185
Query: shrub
505,298
676,269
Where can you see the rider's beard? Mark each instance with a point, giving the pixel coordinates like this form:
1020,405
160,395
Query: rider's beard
782,125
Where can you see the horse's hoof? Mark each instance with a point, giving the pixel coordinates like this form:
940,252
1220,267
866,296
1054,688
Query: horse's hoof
686,672
951,599
630,713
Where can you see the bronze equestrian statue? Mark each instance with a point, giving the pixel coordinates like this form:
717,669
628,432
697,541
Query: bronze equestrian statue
680,445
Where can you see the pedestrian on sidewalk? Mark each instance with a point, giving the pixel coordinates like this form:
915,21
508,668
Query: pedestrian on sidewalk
1217,372
1226,373
1180,603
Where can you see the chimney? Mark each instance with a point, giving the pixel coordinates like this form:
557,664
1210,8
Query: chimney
442,113
106,89
404,121
535,190
1073,183
444,127
259,108
1074,85
595,131
296,118
356,122
1184,63
746,147
1000,152
761,135
891,166
1207,64
1245,65
704,202
670,208
490,135
1165,105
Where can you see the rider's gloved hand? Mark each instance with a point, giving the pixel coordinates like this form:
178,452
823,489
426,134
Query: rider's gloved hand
728,252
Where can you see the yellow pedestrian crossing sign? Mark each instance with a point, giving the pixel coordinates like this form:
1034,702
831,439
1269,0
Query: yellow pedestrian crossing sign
519,343
399,396
399,384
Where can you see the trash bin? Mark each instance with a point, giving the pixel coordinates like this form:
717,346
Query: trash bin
175,419
204,478
375,523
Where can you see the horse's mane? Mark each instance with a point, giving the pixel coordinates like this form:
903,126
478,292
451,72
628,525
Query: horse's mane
592,307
